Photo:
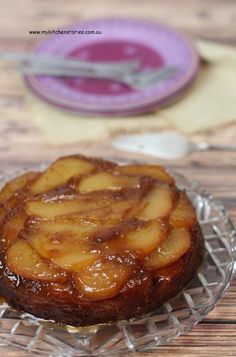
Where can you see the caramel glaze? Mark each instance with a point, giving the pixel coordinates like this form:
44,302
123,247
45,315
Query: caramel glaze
143,292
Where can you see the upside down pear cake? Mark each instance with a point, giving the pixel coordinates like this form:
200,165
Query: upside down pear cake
88,241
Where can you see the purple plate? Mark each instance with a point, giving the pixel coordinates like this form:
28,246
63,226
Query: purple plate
155,45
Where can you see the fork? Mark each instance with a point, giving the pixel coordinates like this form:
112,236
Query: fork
136,80
49,61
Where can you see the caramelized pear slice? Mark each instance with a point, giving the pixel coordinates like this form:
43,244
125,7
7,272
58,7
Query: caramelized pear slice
52,209
12,228
119,210
146,239
102,280
184,214
92,208
156,172
104,180
60,172
170,250
65,249
24,261
75,226
80,229
157,204
76,259
41,243
142,241
15,184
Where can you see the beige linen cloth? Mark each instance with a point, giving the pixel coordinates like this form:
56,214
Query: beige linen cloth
210,102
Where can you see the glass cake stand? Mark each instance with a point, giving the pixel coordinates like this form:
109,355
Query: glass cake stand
174,318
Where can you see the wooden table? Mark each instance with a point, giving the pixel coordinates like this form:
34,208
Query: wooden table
21,142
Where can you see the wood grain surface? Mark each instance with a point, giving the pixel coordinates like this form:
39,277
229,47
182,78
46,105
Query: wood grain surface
22,144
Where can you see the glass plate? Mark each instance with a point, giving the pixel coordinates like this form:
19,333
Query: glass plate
174,318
